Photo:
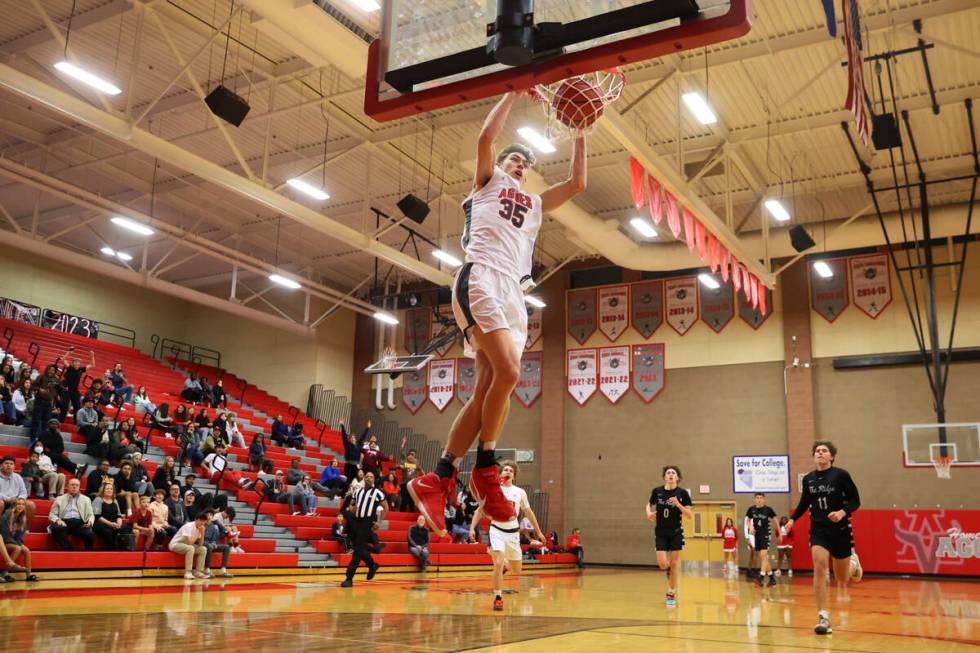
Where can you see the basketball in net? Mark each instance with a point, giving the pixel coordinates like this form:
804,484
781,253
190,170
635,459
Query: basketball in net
574,105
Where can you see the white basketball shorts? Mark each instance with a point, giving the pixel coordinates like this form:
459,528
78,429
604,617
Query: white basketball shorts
487,298
507,543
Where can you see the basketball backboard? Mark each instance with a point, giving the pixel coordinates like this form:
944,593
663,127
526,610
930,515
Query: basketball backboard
924,444
399,364
434,54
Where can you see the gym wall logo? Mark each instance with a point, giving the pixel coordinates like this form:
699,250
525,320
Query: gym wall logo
933,543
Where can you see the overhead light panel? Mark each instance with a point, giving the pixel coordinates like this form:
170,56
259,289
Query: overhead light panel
534,301
123,256
823,269
88,78
447,258
367,5
108,251
308,189
777,210
708,281
387,318
537,141
698,106
643,227
132,225
284,281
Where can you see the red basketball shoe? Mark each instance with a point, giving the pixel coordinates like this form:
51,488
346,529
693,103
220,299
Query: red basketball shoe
485,487
429,494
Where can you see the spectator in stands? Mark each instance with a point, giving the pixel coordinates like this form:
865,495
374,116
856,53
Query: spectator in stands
280,432
189,542
256,452
390,488
54,447
213,532
203,500
303,494
97,439
142,524
26,374
234,434
31,473
206,397
87,419
71,514
7,370
202,426
13,527
161,519
41,470
72,377
217,461
224,519
220,421
120,442
141,400
294,474
141,443
166,475
338,533
574,545
142,475
97,478
176,515
43,411
332,480
122,388
418,542
12,486
192,389
296,439
352,450
7,410
182,417
162,420
218,394
109,523
191,507
94,392
21,396
372,457
357,483
127,486
275,489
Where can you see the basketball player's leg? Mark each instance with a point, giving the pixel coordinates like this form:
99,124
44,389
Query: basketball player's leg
505,364
466,426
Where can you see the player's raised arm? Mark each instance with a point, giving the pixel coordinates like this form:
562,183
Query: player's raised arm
492,127
558,194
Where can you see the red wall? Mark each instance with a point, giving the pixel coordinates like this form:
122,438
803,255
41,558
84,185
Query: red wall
906,541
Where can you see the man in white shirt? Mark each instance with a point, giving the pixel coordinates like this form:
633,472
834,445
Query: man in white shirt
189,542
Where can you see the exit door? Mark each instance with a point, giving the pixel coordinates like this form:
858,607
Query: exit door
703,531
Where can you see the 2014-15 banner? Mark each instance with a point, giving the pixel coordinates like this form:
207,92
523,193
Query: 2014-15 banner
581,315
647,306
648,370
613,307
682,303
442,377
871,284
529,382
465,379
614,372
581,374
414,386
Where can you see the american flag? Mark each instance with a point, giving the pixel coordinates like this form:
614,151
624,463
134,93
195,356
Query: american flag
855,71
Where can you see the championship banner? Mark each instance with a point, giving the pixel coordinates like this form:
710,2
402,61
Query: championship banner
829,296
648,370
871,284
717,306
446,313
529,383
682,303
581,313
581,373
753,316
647,306
613,305
465,379
614,372
442,376
413,390
534,325
417,325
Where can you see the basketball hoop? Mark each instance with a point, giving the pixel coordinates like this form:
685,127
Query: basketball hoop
573,106
943,465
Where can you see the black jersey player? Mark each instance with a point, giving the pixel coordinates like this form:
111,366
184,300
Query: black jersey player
758,520
667,503
831,497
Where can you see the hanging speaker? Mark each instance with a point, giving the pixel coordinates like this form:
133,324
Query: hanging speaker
414,208
227,105
884,132
800,239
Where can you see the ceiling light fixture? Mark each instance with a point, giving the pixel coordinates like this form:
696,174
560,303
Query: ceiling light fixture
697,105
643,227
447,258
367,5
88,78
123,256
708,281
309,189
537,141
284,281
777,210
108,251
132,225
534,301
387,318
823,269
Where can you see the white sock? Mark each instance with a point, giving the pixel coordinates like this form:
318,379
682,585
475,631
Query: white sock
498,593
224,571
824,614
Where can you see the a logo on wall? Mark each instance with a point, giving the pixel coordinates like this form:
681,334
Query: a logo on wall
648,370
414,390
647,306
929,541
870,283
465,379
529,383
581,318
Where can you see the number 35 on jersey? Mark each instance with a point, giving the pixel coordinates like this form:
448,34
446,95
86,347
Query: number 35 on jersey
514,205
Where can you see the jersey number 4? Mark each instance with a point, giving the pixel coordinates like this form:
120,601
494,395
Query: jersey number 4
512,211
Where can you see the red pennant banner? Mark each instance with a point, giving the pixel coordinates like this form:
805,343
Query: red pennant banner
442,376
699,240
637,177
673,214
582,375
736,275
762,298
614,372
723,262
746,283
465,379
613,311
656,201
754,289
689,229
712,252
682,303
529,383
871,288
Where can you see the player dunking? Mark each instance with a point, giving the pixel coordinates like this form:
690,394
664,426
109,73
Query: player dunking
502,223
667,503
831,497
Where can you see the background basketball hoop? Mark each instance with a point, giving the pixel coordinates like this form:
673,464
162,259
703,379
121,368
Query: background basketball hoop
943,465
574,105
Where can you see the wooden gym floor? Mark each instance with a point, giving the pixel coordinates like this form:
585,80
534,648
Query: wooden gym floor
561,611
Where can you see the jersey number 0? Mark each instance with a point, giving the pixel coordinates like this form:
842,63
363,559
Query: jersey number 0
512,211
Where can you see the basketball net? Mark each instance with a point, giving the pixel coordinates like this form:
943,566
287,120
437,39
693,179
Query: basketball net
388,356
944,466
573,105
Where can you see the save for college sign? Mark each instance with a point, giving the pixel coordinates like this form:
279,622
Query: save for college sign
760,474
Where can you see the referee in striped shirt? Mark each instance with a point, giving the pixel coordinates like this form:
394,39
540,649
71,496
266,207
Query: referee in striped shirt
362,515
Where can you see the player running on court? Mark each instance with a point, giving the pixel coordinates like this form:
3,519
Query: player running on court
502,223
667,503
505,541
758,519
831,497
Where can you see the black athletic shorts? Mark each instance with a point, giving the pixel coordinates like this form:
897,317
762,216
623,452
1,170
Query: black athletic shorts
669,540
837,539
761,541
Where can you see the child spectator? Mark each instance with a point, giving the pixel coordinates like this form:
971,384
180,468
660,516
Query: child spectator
338,533
142,401
256,452
729,536
784,548
13,526
232,534
44,474
160,521
574,545
127,486
141,522
213,532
